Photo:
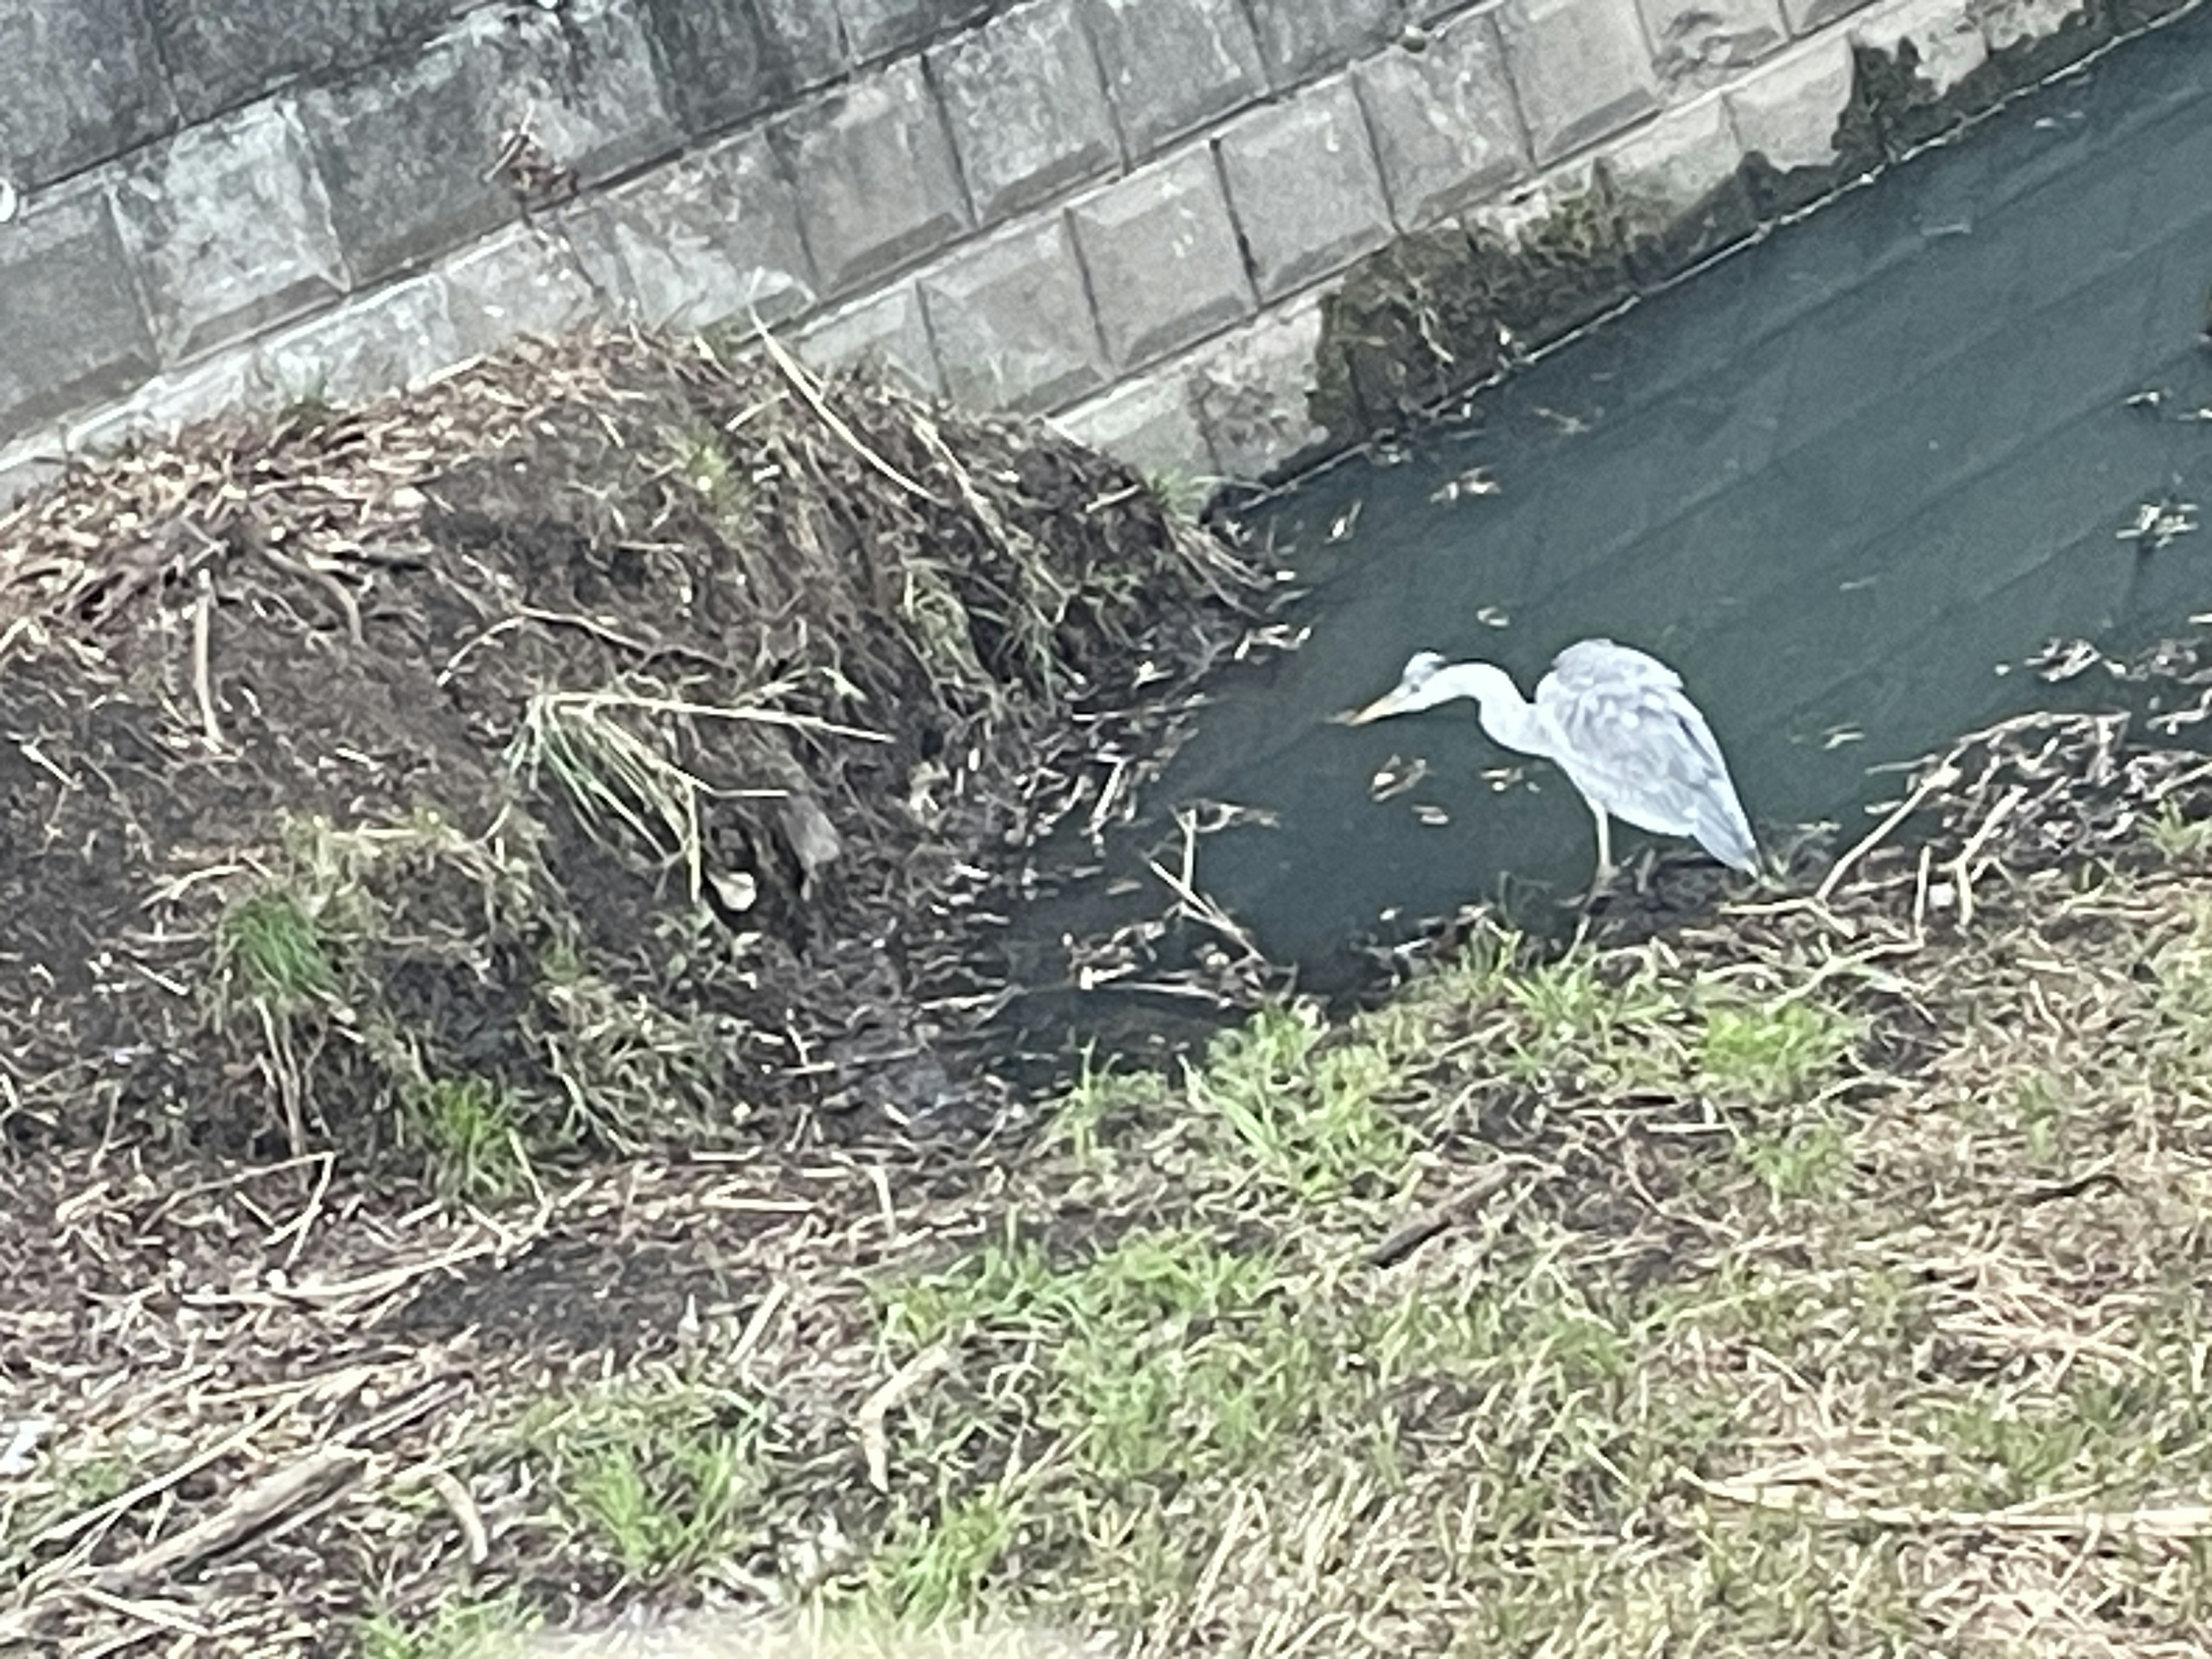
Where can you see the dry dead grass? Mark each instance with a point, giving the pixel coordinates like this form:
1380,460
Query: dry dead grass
1827,1278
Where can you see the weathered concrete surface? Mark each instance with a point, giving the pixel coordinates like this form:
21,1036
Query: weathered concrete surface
403,157
715,60
1582,69
406,156
230,225
1790,120
221,53
1678,191
157,410
1173,65
1701,43
373,346
1301,38
1445,126
72,333
1010,321
1021,201
523,282
876,28
1026,108
1305,187
875,174
80,81
713,239
1252,387
886,331
1152,423
1161,251
1804,17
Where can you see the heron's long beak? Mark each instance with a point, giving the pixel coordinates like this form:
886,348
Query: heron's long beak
1392,701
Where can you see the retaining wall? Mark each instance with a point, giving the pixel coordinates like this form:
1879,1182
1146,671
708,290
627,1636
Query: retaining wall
1219,237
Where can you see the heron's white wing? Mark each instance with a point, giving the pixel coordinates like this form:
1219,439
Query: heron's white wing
1624,732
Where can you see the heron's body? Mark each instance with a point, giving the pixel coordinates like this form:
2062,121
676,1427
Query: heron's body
1618,723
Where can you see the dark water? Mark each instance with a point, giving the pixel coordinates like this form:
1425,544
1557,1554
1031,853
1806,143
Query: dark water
1840,481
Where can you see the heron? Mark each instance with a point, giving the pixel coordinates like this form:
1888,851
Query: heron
1618,723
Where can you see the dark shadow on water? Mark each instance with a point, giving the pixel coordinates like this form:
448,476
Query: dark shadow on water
1846,483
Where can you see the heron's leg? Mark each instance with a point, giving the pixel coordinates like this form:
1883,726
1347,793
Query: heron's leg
1603,876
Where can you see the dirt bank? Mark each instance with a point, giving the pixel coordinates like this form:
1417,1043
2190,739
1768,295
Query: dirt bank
614,746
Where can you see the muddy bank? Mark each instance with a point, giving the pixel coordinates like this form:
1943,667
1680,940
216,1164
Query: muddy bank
612,746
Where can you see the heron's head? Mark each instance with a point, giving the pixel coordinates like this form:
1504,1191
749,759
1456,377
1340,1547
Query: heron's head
1417,688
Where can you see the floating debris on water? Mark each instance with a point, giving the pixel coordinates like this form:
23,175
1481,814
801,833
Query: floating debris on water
1395,776
2159,523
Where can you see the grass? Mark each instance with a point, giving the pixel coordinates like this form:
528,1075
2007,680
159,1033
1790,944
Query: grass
1822,1286
660,1480
473,1138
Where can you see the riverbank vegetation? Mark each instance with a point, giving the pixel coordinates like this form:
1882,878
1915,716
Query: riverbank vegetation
1823,1273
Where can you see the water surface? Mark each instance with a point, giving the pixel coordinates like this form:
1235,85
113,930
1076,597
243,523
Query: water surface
1841,482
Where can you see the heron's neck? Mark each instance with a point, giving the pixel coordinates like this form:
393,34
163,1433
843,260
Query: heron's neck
1508,718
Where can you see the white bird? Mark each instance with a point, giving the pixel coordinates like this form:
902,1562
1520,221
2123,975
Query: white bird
1616,721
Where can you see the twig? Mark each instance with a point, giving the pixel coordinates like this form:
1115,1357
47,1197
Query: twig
245,1514
251,537
1440,1216
875,1444
462,1508
202,628
793,372
62,1531
2177,1522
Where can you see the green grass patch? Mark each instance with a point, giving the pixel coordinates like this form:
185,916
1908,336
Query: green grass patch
662,1479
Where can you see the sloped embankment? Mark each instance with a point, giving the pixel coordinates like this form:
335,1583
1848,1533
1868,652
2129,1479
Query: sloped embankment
602,748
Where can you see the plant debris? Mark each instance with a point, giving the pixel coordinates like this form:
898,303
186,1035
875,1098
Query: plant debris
617,745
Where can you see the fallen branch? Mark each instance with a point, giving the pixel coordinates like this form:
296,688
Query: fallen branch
249,1511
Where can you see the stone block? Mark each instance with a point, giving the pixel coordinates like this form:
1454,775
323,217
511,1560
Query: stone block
802,43
1678,189
1173,65
1252,387
72,333
877,183
713,239
167,404
583,81
1701,43
222,53
525,281
2007,24
1445,128
1933,45
231,229
1150,425
375,345
405,152
1554,254
876,28
1581,69
80,81
1302,39
1028,114
1804,17
30,465
886,331
715,65
1012,322
1304,186
1791,117
1162,252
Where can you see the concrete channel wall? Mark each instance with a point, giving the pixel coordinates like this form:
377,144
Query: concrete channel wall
1218,237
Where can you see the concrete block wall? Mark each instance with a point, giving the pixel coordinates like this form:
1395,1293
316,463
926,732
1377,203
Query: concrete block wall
1181,229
